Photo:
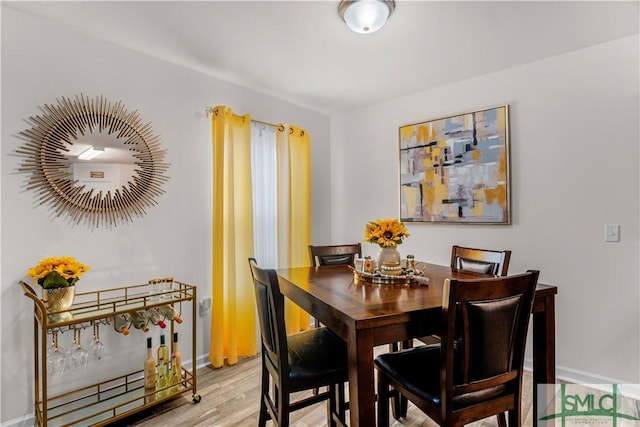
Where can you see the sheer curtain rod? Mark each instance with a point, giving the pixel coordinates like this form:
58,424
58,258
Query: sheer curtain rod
209,110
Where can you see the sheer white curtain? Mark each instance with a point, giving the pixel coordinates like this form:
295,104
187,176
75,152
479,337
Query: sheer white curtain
281,173
265,199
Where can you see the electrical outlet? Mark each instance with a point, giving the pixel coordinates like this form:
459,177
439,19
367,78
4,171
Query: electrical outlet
612,232
204,307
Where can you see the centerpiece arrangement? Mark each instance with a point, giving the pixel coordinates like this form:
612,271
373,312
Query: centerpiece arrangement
388,234
58,276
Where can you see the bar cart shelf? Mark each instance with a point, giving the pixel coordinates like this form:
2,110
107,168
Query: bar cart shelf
116,398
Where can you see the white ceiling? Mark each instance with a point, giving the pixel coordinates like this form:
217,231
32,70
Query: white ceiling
302,52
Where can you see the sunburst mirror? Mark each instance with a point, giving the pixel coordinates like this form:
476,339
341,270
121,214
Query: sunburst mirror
92,161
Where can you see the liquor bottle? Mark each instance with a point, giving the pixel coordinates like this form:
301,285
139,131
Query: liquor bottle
139,321
149,368
163,369
176,353
155,317
174,378
170,313
121,324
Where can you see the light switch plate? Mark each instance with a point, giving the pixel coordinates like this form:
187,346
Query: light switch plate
612,232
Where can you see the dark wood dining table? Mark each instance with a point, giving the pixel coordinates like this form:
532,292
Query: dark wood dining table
366,315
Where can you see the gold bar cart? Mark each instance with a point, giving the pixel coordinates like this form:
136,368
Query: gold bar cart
106,401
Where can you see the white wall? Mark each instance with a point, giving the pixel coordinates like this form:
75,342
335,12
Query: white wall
42,61
574,167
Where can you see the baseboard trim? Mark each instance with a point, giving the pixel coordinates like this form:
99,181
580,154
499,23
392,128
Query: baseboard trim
575,376
25,421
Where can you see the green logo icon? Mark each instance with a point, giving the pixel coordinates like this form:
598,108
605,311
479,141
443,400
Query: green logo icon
575,404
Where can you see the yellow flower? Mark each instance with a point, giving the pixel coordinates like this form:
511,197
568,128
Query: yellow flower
57,272
385,232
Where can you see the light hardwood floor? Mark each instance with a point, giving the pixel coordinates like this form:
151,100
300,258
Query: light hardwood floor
230,397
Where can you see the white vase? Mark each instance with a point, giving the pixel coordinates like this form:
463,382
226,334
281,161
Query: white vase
388,255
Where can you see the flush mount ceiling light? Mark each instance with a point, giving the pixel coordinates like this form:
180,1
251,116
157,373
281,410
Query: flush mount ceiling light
365,16
90,153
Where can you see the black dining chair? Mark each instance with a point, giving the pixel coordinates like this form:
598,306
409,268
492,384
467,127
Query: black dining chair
487,261
297,362
334,254
476,371
324,255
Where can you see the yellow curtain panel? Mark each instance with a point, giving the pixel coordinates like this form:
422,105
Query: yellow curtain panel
233,322
294,207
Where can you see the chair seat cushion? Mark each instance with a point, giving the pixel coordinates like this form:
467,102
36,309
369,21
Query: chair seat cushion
317,357
418,370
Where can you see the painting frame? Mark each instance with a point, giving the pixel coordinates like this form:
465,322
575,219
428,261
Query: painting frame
456,169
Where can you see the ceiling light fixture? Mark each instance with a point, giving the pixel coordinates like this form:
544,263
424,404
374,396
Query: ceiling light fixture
365,16
90,153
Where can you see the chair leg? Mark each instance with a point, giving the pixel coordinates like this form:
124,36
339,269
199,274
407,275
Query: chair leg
383,402
515,418
342,405
316,324
502,420
332,407
400,405
283,408
262,421
264,393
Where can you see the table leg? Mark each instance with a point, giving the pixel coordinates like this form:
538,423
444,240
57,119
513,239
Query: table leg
544,349
362,394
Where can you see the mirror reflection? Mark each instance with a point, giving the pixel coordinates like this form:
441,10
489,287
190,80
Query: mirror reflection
101,162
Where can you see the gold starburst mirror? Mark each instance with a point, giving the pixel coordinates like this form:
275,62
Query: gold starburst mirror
92,161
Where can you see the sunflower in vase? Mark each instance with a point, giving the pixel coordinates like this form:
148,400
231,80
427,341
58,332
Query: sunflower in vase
57,272
388,234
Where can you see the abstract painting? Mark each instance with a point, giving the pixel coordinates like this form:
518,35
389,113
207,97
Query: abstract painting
456,169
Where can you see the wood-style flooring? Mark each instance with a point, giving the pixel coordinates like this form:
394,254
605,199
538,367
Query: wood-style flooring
230,397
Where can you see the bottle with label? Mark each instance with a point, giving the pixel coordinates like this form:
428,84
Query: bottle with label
155,317
149,368
163,369
174,377
170,313
176,353
139,321
121,324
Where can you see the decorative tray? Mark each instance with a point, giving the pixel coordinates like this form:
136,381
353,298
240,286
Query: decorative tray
407,277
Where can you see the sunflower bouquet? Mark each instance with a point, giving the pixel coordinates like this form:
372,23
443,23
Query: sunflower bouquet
57,272
387,233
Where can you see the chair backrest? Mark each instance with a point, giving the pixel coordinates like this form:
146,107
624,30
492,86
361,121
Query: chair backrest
270,305
489,320
480,260
334,254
